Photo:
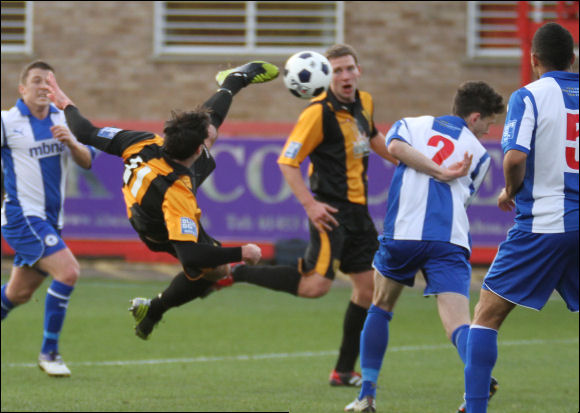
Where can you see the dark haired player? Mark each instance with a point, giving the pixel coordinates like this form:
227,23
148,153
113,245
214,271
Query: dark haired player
160,181
441,166
540,253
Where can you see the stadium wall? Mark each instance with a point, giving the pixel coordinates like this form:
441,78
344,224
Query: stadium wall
413,56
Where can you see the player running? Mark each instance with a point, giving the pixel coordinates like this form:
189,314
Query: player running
37,148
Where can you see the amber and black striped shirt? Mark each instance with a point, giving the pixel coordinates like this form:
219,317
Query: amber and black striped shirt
336,138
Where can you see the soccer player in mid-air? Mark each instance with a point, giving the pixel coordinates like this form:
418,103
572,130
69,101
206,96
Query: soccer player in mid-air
161,178
540,254
37,148
441,166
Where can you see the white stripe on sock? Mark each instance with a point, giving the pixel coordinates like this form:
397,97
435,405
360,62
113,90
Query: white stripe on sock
57,295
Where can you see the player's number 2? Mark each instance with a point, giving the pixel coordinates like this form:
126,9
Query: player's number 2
445,151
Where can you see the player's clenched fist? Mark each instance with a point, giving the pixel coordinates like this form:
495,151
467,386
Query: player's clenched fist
251,254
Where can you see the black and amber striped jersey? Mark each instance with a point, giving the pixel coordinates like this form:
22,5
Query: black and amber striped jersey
160,193
336,138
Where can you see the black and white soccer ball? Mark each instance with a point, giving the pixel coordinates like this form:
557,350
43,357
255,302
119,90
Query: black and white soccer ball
307,74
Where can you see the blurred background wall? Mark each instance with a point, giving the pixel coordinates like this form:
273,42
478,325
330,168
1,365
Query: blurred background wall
413,55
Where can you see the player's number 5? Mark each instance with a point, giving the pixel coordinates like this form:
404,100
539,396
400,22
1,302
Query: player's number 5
572,141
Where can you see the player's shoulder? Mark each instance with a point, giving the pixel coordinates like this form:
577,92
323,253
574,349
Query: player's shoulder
11,114
544,85
416,121
315,107
366,99
364,95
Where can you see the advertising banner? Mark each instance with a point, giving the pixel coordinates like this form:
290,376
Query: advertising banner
246,198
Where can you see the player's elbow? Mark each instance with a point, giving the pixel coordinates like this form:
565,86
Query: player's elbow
396,148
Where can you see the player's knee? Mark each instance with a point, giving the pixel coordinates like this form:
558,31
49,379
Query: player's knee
313,286
362,294
313,293
365,294
22,296
69,274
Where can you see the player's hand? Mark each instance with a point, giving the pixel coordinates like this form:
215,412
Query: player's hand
62,134
251,254
505,202
458,169
320,214
55,94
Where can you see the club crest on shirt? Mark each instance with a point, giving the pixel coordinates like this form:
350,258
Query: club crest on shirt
188,226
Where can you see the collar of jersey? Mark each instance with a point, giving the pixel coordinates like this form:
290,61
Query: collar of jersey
178,168
336,105
561,75
26,112
454,120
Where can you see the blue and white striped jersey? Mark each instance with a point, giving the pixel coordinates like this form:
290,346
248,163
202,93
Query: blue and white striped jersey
419,207
34,165
542,121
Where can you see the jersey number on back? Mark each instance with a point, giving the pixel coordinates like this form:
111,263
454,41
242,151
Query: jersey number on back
445,151
572,141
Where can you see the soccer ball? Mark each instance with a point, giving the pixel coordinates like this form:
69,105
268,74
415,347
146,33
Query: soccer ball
307,74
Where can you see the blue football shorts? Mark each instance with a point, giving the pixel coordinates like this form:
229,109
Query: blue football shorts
528,268
445,266
32,238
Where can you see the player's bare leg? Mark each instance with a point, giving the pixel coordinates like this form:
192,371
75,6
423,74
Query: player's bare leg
23,282
453,311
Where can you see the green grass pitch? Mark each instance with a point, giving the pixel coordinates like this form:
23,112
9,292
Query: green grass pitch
249,349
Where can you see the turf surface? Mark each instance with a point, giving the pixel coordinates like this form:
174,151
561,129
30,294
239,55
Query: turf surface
249,349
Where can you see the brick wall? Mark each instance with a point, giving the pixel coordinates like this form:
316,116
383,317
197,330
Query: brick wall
412,55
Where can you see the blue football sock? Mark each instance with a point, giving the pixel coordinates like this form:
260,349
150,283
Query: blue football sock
56,304
459,340
6,303
481,358
373,345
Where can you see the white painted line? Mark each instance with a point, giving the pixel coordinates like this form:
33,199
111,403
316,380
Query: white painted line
282,355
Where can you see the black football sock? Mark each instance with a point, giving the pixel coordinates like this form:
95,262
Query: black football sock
234,83
181,290
354,321
275,277
219,104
